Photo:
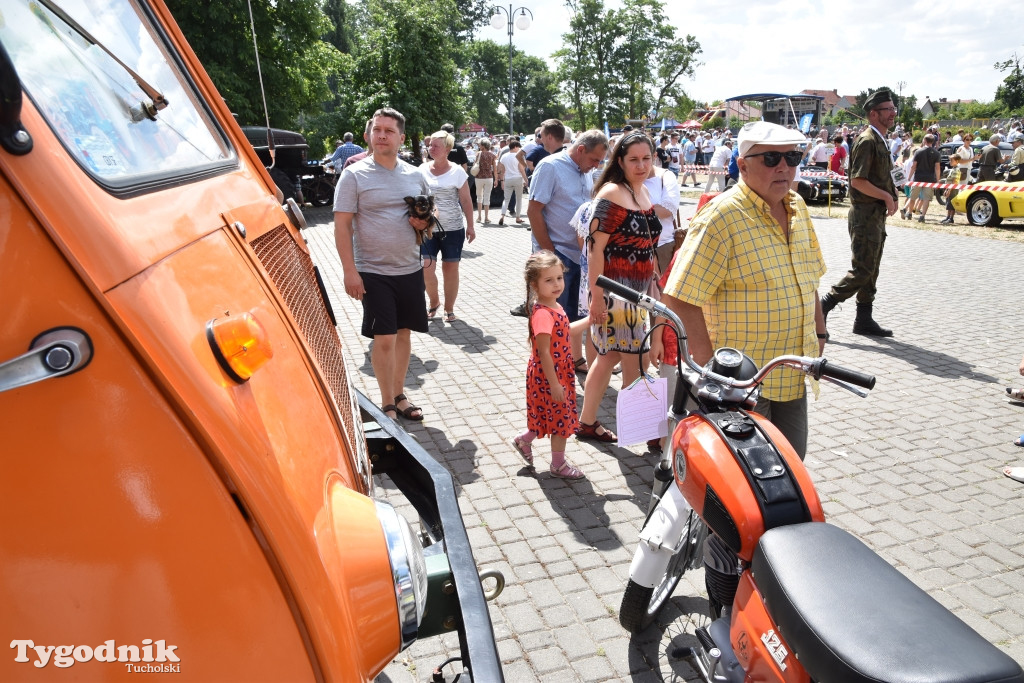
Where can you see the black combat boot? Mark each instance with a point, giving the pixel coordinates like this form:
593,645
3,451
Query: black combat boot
828,302
865,324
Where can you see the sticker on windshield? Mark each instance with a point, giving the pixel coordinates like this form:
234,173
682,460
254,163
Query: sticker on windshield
99,155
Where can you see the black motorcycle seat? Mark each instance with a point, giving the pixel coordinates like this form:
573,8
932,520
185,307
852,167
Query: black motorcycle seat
849,616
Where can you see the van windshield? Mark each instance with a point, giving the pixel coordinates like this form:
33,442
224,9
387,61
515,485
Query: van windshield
94,104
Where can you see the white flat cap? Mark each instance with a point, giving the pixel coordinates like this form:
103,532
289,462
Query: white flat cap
764,133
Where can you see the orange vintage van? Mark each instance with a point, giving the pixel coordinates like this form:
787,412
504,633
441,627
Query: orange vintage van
186,483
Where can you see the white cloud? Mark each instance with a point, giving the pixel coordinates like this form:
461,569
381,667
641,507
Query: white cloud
937,47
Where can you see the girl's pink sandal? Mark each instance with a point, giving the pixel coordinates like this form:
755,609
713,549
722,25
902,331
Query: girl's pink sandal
524,449
567,471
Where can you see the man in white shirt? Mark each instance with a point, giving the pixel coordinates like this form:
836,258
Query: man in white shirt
675,154
719,163
895,146
819,155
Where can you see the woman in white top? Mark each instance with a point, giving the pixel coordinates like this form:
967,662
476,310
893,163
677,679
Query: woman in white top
664,190
511,176
450,187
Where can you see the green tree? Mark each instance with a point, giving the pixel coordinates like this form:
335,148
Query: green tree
537,91
619,63
645,31
340,33
910,115
586,60
295,62
404,60
675,59
487,83
1011,92
535,86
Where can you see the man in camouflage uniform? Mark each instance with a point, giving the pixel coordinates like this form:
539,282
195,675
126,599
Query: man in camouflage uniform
873,195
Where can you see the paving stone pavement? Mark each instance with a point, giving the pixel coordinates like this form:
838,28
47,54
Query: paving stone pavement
913,470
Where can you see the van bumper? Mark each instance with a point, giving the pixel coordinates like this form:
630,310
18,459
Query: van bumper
429,487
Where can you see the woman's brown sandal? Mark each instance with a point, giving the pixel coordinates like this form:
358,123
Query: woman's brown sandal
589,432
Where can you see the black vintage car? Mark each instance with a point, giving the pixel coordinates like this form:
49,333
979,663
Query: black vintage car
294,174
820,188
945,149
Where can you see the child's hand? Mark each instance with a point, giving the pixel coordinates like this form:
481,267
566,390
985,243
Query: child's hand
1022,366
558,394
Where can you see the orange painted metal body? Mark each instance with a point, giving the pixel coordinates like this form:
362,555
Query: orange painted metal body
751,631
709,463
149,495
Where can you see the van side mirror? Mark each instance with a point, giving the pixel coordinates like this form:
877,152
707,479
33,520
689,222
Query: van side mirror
13,136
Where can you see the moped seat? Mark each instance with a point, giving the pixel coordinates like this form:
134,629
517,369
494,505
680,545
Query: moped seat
849,616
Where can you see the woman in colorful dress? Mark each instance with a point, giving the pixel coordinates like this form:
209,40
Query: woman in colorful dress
624,230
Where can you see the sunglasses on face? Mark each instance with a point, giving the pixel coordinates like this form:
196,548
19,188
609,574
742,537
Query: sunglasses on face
772,159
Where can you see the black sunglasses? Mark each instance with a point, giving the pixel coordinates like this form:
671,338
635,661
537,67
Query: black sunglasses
772,159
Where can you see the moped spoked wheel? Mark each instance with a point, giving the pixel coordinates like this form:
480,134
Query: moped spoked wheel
640,605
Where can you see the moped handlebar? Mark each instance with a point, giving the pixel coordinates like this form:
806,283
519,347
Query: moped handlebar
830,369
817,368
619,289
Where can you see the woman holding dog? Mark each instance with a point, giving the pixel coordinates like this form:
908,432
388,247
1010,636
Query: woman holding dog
449,184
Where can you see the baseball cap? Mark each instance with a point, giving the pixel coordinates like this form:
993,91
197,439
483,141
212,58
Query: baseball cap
764,133
1016,137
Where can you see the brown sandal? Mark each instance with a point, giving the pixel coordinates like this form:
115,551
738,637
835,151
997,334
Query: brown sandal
589,432
414,413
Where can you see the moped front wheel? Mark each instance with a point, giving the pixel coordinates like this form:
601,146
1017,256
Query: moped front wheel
640,604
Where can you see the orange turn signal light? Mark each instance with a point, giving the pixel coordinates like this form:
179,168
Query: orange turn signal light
240,344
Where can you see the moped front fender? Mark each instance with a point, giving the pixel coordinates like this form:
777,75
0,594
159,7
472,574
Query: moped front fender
660,538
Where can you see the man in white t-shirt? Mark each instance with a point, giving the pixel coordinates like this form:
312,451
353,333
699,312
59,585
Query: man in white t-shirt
675,154
690,159
895,146
819,155
719,163
707,147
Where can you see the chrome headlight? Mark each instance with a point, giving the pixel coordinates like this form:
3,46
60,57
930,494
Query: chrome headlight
408,569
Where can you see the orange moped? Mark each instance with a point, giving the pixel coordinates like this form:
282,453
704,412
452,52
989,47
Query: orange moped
792,598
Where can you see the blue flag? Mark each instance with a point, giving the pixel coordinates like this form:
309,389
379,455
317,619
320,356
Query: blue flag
606,133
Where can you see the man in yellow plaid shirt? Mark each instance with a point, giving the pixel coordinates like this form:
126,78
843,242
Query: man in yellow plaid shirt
747,275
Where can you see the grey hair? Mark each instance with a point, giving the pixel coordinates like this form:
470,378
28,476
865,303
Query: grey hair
590,140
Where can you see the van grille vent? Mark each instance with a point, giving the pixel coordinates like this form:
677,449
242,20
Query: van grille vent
292,271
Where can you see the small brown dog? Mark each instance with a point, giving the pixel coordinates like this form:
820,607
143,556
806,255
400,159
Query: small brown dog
422,206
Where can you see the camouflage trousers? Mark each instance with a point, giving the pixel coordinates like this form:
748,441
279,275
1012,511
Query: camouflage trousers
867,238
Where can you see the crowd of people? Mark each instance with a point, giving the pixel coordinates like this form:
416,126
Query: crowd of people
610,207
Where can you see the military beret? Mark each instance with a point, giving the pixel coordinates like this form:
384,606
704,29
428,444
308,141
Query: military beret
877,98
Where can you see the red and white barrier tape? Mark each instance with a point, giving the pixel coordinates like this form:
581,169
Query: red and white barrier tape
705,170
948,186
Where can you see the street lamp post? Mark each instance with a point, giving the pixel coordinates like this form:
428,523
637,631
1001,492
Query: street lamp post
522,22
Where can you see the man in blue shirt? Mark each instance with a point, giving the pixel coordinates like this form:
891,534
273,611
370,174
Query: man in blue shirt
550,136
562,183
344,151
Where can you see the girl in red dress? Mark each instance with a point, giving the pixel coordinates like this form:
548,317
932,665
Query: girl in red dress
550,375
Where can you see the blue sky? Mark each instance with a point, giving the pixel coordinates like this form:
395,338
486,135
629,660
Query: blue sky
938,48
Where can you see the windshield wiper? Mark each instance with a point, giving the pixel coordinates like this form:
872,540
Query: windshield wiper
144,109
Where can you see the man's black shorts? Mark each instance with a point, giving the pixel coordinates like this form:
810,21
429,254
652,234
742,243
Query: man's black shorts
392,303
